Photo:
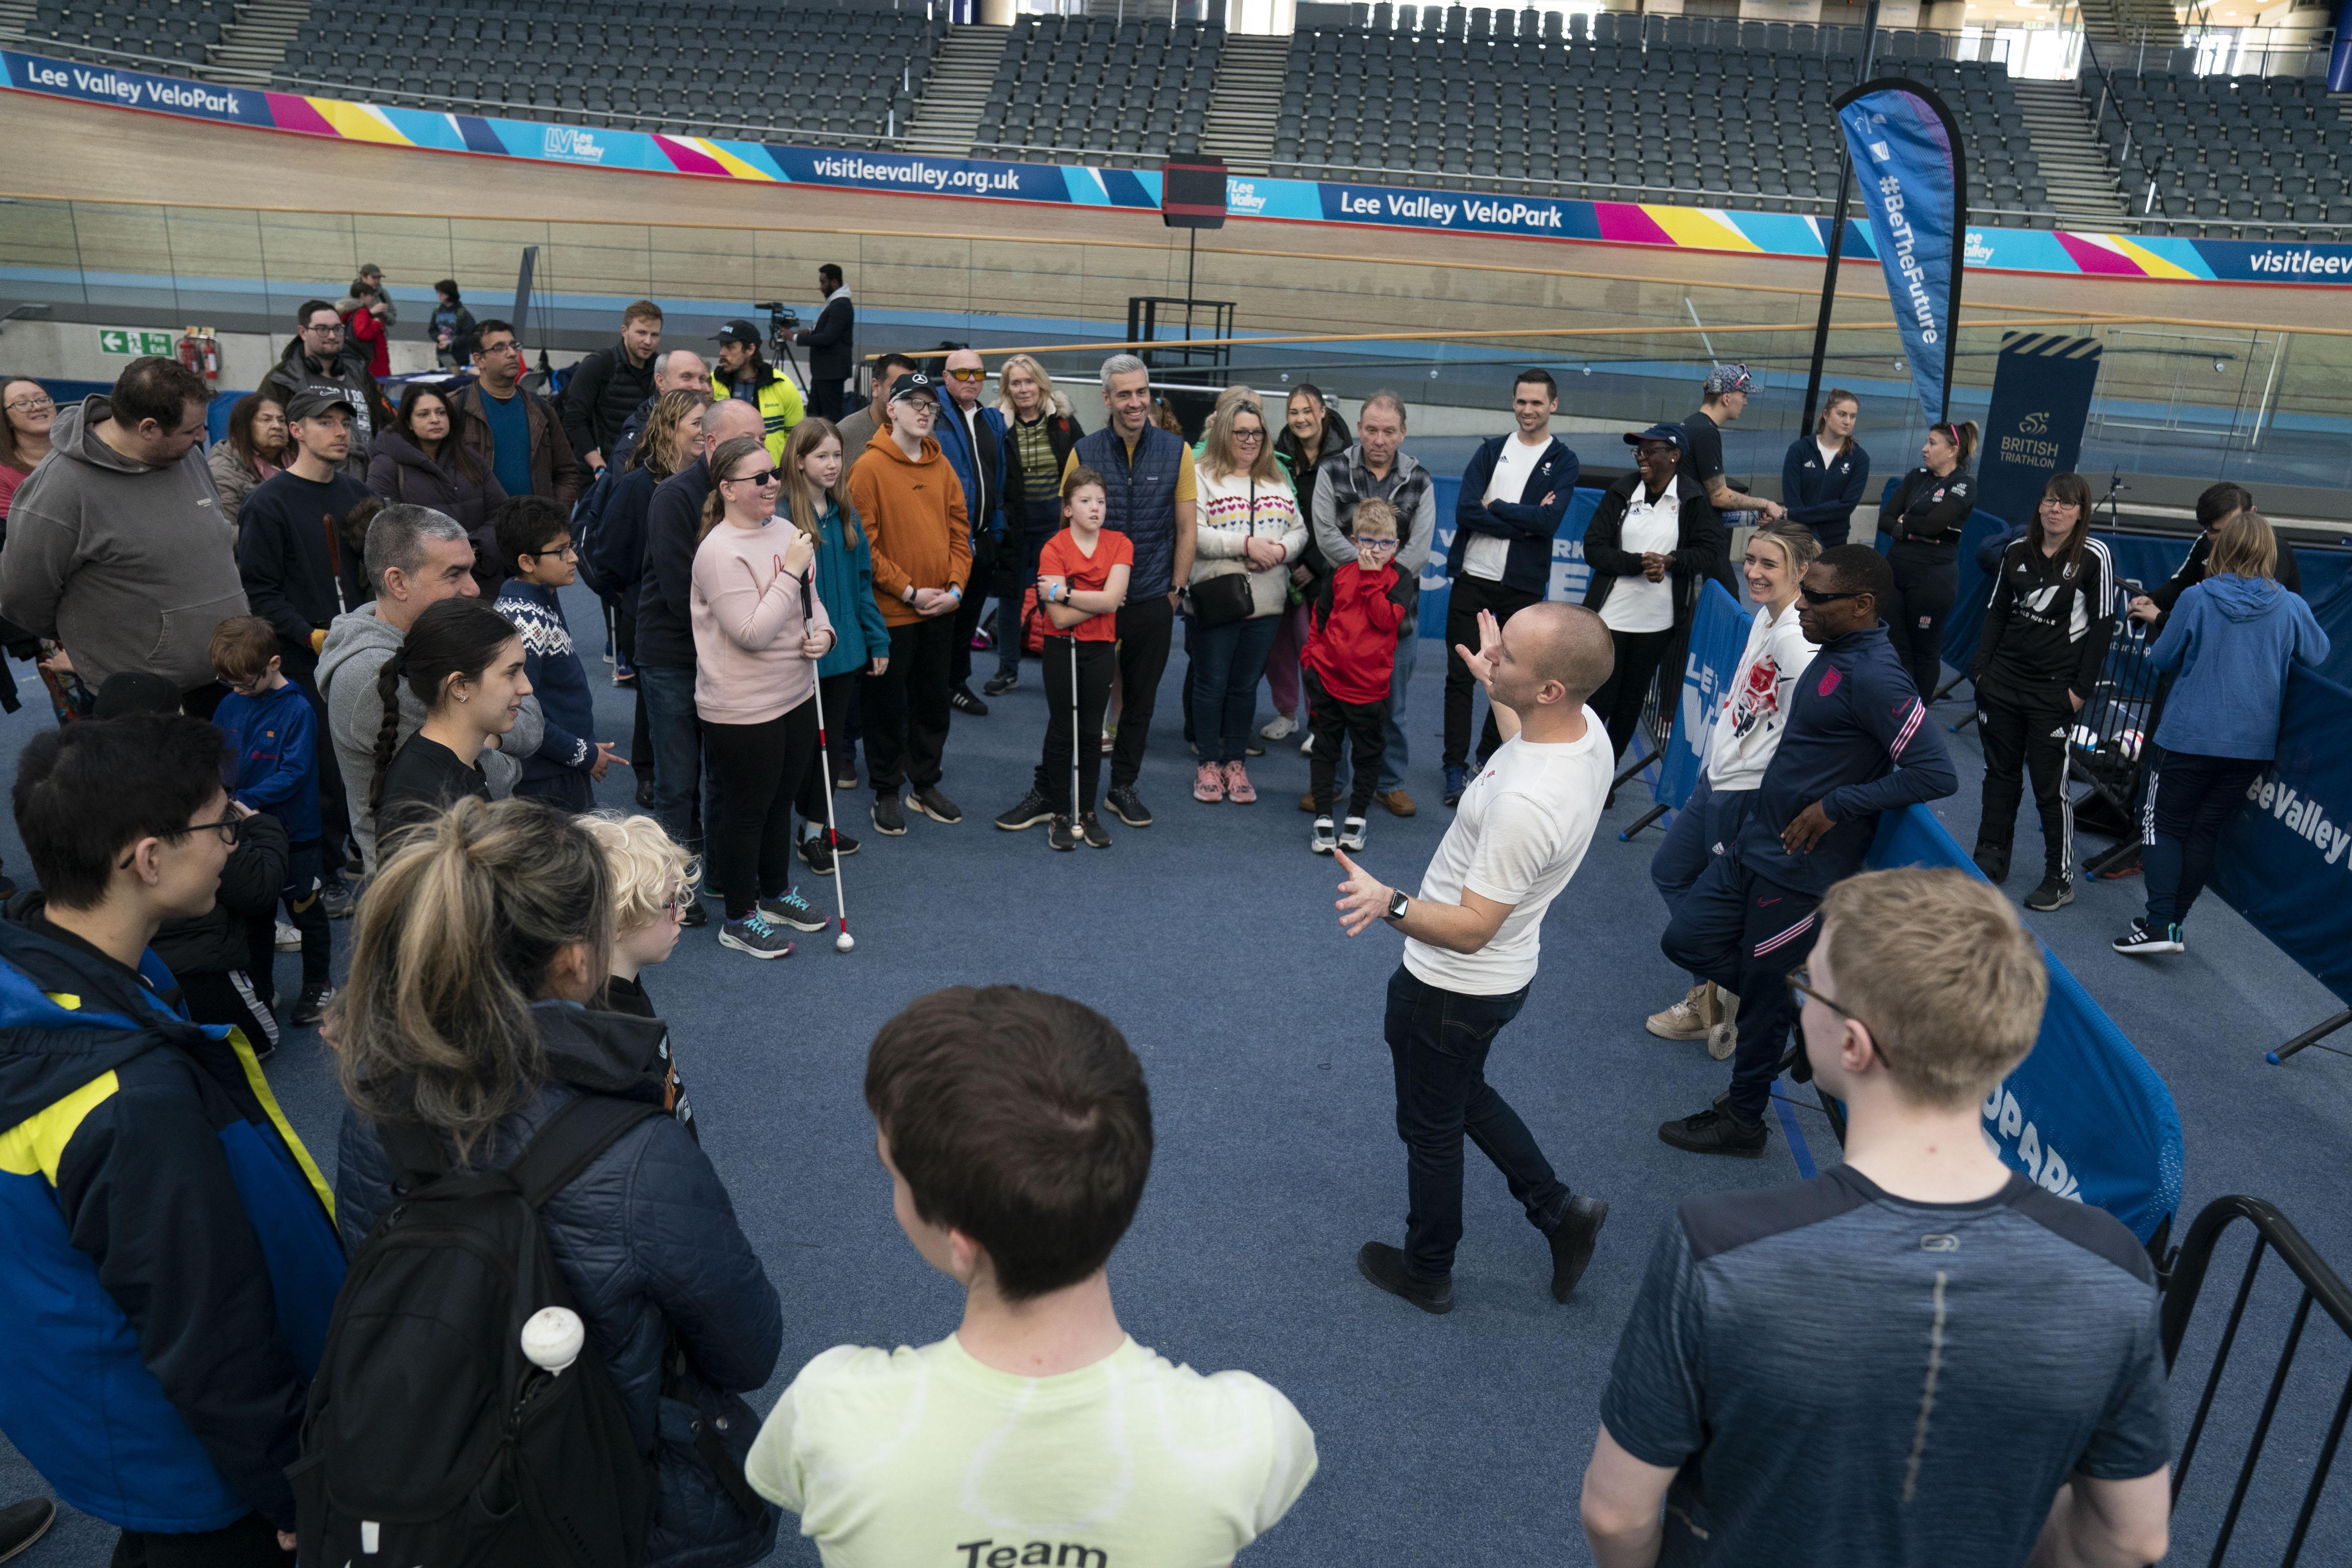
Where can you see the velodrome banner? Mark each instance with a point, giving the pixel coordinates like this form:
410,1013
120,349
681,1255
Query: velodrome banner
1495,212
2286,862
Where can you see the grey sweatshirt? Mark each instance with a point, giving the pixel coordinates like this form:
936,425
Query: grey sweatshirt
130,568
358,647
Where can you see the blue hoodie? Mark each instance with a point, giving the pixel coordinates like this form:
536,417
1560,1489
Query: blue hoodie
2232,639
557,679
274,739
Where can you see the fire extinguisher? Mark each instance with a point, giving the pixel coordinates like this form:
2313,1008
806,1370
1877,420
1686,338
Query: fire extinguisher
192,351
212,356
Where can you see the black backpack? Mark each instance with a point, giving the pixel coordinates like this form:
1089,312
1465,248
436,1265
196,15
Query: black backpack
430,1437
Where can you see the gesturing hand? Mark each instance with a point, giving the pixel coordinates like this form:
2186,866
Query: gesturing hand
605,760
1362,901
1481,663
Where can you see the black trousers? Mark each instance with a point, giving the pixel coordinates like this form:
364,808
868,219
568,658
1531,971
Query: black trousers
1470,595
1146,626
250,1543
1365,723
906,707
759,768
641,736
232,997
1927,581
974,605
825,398
2025,734
838,758
1095,660
1619,700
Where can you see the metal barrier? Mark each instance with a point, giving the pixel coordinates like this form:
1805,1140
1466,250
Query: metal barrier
2320,1286
2113,736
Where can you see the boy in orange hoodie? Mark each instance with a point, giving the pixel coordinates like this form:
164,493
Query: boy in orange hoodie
1350,655
911,505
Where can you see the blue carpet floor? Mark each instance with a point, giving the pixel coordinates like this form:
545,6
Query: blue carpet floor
1210,939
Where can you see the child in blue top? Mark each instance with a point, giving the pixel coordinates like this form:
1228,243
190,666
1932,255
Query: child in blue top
535,545
273,746
816,497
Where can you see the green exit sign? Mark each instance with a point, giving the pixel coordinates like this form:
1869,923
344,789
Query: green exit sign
121,340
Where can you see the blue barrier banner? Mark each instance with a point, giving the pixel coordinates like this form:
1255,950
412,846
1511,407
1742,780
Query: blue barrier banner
1570,575
2285,860
1718,637
2033,427
1906,156
2084,1116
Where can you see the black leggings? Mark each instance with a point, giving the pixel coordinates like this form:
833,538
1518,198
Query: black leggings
1927,580
1619,700
2027,734
1096,662
839,755
759,768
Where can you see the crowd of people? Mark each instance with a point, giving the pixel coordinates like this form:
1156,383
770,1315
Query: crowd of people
328,673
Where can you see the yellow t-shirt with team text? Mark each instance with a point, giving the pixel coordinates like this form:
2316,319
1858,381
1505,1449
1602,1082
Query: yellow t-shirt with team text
924,1458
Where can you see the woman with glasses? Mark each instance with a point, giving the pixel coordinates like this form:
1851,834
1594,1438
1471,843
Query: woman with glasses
464,661
2045,635
1250,534
759,631
26,412
256,451
420,462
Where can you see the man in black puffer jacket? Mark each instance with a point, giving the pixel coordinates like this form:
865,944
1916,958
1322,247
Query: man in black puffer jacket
607,386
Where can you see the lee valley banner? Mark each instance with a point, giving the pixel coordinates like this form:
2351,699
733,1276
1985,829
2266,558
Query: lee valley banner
2286,859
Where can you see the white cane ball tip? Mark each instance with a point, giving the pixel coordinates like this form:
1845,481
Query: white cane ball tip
552,1337
845,943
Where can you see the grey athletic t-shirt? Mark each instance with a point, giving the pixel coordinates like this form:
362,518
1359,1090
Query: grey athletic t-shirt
1843,1376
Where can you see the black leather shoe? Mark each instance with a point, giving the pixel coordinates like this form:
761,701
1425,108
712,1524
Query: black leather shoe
1715,1132
963,702
1384,1266
1571,1244
645,794
23,1523
692,917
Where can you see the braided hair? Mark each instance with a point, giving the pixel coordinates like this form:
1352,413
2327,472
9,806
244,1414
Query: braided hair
452,638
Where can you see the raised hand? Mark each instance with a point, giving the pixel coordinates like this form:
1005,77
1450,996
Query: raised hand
1362,898
1481,663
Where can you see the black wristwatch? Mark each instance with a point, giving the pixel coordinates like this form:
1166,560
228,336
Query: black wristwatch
1396,906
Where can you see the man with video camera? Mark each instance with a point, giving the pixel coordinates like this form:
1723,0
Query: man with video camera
743,376
830,362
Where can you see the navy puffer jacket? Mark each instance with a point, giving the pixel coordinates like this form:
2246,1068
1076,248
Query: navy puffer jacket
647,1240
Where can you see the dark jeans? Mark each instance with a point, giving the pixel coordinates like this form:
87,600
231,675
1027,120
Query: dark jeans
759,768
1228,662
906,708
624,637
2025,734
1145,628
1044,520
1927,580
1470,595
1327,719
825,398
1094,668
837,751
1438,1041
2191,798
1706,827
1619,700
975,599
305,880
1745,933
676,733
250,1543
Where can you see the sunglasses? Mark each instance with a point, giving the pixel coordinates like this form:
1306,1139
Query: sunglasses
1801,990
967,376
229,828
763,478
1813,597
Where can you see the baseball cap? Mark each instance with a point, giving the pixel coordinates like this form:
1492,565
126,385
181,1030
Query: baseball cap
914,382
1728,378
316,399
1668,433
737,332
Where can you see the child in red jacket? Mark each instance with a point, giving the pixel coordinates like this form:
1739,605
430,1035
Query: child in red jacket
1351,652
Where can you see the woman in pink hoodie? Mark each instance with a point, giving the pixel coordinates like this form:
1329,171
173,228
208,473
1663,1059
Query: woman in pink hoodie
759,630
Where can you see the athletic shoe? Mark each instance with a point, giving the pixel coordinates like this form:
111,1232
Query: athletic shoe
1058,835
1252,749
928,800
1324,840
1208,783
1238,789
625,677
1723,1036
1128,805
1034,809
817,855
1352,834
793,910
754,935
1688,1019
310,1007
336,898
1003,681
1399,802
1281,727
1384,1266
2055,893
1992,859
23,1523
846,780
888,821
2146,937
963,702
1306,746
289,939
1571,1244
693,917
983,639
1090,827
1457,779
1715,1132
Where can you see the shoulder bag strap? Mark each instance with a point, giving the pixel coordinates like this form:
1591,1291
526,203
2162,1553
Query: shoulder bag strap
572,1139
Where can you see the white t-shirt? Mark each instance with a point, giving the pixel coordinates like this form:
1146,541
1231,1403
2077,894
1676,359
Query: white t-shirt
1651,528
1755,707
1830,455
1518,836
1486,556
893,1459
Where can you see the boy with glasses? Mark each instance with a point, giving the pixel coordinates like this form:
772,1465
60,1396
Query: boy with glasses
1919,1356
535,543
1350,655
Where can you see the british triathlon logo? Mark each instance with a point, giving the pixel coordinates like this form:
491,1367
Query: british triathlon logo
579,146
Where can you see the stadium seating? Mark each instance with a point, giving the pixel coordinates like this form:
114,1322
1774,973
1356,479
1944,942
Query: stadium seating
1135,90
181,31
2267,156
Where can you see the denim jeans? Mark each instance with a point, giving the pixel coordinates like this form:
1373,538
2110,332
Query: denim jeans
1707,826
1042,520
1438,1041
1227,663
676,732
1392,757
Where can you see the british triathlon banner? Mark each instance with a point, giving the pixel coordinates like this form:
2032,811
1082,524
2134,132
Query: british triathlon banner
2286,862
1496,211
1907,158
2033,429
1718,636
2084,1116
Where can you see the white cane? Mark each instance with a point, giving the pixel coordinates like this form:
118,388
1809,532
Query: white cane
845,943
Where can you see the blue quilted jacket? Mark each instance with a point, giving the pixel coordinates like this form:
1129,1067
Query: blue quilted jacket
647,1240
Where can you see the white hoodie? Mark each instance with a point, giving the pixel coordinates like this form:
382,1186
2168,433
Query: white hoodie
1755,706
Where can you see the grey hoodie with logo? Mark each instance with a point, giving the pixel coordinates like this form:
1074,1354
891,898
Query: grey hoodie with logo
130,566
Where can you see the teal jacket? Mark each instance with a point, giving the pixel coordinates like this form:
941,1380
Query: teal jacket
844,583
172,1260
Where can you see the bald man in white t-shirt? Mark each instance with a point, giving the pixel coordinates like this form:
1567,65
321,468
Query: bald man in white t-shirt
1471,940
